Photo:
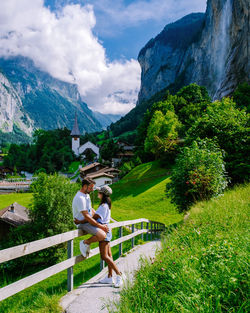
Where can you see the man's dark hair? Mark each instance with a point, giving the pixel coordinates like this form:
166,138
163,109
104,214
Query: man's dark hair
87,181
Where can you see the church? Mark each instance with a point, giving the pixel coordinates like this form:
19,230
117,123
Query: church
81,150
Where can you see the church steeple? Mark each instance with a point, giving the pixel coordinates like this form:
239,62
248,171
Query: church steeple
75,134
75,131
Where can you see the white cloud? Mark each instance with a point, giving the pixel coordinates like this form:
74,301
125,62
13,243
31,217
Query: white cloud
63,44
116,12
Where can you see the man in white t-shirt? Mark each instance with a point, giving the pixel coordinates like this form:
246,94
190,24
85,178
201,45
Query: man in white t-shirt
82,211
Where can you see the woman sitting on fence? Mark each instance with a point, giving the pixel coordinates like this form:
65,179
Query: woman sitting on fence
102,215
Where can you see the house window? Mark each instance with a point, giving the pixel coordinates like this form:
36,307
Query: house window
107,182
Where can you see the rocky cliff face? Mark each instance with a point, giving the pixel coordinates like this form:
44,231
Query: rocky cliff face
11,113
210,49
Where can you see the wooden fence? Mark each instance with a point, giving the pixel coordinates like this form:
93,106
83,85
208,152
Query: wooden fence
138,228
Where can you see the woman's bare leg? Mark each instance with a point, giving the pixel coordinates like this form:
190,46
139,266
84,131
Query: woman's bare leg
105,256
110,255
100,235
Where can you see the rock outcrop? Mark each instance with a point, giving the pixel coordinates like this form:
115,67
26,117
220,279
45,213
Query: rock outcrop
210,49
11,113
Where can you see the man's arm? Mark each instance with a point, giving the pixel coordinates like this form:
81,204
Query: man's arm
95,217
93,222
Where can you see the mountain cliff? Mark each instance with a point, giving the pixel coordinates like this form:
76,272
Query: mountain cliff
31,98
209,49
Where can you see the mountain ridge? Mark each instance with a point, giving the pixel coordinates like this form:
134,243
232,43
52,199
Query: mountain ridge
31,99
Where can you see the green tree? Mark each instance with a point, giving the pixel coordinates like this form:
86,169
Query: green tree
162,133
50,150
50,214
241,96
199,174
191,102
229,126
109,150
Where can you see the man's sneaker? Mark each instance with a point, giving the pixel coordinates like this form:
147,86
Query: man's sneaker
119,280
84,249
88,250
106,280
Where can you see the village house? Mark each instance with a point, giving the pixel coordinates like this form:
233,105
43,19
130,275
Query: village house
125,154
4,171
91,168
101,174
13,215
101,179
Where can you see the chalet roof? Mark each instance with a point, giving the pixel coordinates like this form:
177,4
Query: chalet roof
16,217
96,175
104,170
75,131
111,169
88,167
126,153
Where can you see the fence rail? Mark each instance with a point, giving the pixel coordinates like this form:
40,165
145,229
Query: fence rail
38,245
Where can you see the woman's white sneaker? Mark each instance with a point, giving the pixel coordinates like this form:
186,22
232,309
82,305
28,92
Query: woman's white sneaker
84,249
119,280
106,280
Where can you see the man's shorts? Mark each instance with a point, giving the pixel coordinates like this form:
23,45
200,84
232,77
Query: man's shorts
90,229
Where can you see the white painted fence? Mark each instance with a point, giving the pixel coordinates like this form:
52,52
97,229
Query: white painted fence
34,246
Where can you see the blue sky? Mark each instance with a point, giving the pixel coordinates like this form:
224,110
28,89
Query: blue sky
91,43
124,38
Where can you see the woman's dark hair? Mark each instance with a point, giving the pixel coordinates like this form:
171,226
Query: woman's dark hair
106,199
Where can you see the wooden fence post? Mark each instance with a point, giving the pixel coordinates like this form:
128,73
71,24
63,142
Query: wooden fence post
102,263
120,244
147,227
142,228
133,239
151,226
70,276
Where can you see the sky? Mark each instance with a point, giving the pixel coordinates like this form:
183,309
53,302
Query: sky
92,43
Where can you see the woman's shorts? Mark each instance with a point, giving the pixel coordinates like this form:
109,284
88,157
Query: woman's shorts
108,236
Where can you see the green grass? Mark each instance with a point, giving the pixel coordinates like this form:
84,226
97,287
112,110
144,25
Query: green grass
203,266
45,296
73,167
139,194
22,198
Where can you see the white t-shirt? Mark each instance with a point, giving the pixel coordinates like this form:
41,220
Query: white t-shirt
81,202
104,212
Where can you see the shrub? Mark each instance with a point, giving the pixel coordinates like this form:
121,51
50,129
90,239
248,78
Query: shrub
230,127
199,174
50,214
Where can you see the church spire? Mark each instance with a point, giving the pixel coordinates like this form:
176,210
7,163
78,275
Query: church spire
75,131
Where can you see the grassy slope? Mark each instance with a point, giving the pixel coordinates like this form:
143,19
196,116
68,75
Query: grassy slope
139,194
73,167
203,266
22,198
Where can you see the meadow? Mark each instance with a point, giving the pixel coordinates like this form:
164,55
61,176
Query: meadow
203,266
139,194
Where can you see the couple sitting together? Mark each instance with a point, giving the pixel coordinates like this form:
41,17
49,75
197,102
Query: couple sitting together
96,223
